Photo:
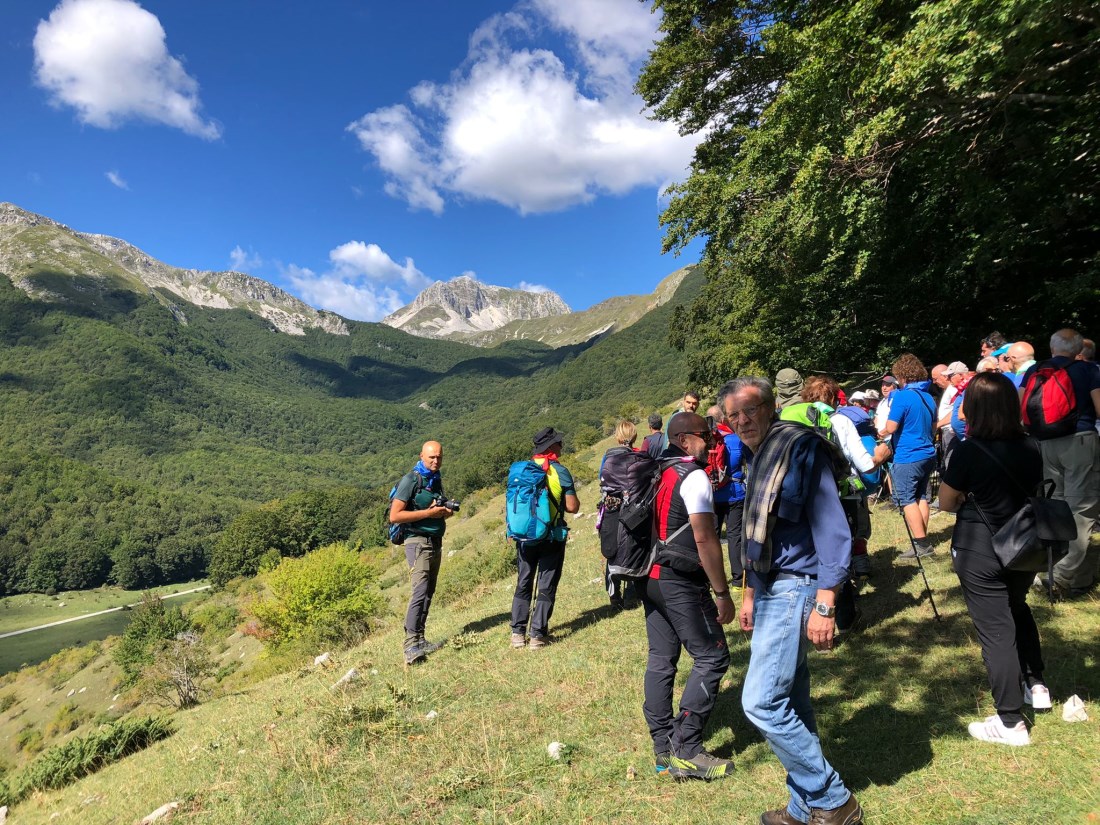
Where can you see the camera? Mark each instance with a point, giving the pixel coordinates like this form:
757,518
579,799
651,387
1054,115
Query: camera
450,503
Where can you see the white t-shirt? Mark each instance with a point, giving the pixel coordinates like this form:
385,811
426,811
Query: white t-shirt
948,396
882,413
851,445
697,493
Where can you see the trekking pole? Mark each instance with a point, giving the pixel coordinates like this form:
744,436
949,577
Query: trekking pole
913,544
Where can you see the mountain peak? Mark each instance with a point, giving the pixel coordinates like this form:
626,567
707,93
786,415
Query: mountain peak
465,304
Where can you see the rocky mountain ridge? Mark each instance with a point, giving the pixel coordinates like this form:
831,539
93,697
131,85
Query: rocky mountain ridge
44,258
466,305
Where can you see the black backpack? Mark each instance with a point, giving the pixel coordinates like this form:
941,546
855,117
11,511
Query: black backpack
629,483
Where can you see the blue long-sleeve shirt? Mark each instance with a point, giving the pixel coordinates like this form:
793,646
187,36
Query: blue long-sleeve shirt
820,543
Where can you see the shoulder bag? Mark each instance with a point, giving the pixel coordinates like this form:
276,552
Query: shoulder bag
1038,534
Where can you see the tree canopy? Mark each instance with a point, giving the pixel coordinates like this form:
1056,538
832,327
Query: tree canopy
880,175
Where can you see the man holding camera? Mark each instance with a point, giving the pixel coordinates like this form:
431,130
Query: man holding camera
419,504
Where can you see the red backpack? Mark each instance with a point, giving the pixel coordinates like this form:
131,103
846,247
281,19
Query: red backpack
718,462
1048,406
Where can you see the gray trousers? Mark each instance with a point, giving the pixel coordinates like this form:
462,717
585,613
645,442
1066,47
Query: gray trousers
1073,462
423,554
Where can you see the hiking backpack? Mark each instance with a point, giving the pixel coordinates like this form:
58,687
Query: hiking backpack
527,509
1048,406
629,483
865,429
399,532
718,462
816,417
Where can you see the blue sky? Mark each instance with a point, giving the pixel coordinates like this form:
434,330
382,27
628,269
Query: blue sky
350,152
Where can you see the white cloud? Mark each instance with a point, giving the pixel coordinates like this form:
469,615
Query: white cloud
355,258
516,125
115,178
363,282
358,301
108,60
242,261
526,287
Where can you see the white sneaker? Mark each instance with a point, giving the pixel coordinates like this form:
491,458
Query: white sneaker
1038,697
993,730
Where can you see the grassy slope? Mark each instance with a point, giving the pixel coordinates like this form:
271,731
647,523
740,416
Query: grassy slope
892,705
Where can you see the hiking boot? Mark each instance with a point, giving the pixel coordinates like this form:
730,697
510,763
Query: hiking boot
992,729
430,647
538,642
919,550
861,566
414,655
780,816
857,617
663,763
1038,696
850,813
519,640
701,766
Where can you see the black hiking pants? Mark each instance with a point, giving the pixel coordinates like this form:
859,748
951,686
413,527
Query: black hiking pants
681,615
539,563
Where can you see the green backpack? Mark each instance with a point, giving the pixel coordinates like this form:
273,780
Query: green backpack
817,416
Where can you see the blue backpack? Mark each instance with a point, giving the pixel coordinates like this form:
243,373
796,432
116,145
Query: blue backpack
527,502
865,429
399,532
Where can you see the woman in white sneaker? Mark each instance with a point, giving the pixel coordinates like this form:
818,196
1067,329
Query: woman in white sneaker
996,463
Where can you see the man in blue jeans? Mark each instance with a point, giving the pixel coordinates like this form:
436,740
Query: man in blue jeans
796,549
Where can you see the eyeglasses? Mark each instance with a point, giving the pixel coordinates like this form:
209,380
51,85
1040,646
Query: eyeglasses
749,412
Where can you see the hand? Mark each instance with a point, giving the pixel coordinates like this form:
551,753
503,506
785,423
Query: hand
883,452
439,511
819,630
725,610
745,617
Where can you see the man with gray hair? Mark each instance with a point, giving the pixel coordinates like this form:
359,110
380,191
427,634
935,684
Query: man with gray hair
1071,460
796,549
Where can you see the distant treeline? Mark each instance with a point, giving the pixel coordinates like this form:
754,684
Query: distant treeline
131,442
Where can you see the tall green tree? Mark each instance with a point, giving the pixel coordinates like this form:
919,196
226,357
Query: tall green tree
881,175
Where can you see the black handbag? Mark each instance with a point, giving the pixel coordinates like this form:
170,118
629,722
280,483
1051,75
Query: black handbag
1038,534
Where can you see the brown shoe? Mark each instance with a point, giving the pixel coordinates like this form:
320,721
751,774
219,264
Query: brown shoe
780,816
538,642
519,640
847,814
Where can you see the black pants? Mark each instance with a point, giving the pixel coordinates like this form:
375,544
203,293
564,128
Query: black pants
733,540
996,599
681,615
539,563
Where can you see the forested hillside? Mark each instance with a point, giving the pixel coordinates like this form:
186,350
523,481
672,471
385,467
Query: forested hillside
130,440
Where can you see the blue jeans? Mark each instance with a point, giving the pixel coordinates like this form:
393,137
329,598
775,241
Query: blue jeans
776,696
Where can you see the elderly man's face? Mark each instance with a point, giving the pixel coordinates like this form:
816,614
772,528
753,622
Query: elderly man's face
939,379
749,416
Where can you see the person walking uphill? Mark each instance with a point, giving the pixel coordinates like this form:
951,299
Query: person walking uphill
540,558
415,504
679,611
796,549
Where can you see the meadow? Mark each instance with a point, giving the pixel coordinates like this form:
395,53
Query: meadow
463,738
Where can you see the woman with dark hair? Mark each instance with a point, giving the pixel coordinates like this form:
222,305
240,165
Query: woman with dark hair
994,471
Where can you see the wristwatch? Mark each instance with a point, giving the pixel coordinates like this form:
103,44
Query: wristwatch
821,609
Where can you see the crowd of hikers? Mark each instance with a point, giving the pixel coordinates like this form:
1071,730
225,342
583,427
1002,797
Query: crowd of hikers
785,473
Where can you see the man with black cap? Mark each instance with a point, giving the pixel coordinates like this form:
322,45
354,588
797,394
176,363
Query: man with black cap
680,613
540,562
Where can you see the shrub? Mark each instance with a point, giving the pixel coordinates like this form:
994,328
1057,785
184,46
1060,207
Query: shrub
152,625
178,671
29,739
216,619
82,755
330,593
7,701
69,717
